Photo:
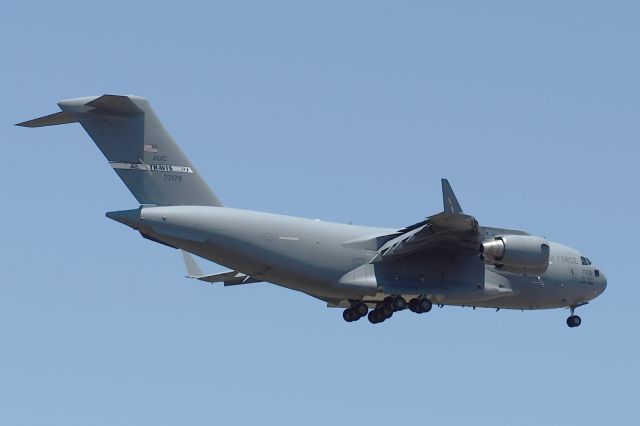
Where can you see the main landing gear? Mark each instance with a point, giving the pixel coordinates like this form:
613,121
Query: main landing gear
385,309
355,312
574,320
420,305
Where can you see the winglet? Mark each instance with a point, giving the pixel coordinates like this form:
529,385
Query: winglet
193,270
449,199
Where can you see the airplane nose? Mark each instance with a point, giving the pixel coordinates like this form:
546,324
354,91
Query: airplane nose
602,282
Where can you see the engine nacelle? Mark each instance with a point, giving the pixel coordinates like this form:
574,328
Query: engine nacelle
517,253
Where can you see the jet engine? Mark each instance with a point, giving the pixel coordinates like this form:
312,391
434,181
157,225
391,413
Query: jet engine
517,253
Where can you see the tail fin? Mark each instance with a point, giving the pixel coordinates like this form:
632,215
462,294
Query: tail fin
451,204
129,134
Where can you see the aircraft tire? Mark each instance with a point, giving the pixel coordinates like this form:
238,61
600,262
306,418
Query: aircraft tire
347,315
413,305
386,313
399,304
388,303
375,316
424,305
372,317
361,309
574,321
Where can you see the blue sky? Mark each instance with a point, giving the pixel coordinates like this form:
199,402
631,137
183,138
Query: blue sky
344,111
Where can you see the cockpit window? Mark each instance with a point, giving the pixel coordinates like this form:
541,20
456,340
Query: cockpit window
597,273
584,260
588,261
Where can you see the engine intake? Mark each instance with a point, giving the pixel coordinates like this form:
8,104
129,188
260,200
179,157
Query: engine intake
517,253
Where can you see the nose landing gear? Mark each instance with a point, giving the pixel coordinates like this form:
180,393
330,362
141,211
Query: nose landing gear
574,320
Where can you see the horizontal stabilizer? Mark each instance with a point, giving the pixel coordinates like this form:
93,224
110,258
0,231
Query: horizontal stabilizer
62,117
227,277
115,103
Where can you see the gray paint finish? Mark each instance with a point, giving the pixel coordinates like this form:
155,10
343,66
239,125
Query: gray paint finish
440,258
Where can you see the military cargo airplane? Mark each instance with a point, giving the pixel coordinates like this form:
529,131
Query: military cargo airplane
446,259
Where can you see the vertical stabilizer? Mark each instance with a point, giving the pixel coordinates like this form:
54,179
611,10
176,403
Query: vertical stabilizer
138,148
449,199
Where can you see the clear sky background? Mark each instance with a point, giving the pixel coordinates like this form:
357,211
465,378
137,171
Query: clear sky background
343,111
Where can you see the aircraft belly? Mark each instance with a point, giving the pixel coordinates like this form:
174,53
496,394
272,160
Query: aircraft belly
298,264
467,283
444,276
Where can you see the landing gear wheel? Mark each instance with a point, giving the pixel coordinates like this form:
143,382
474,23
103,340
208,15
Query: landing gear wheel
386,313
388,302
398,304
420,306
361,309
375,316
347,315
355,312
424,305
574,321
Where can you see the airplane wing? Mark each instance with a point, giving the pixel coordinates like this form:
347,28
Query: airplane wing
450,230
227,277
442,231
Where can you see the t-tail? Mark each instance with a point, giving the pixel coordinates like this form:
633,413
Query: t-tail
138,148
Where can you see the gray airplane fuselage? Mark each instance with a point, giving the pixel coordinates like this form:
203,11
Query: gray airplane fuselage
447,258
313,256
